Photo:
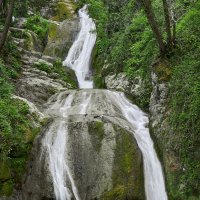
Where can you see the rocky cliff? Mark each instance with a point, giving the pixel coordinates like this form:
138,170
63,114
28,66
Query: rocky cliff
101,152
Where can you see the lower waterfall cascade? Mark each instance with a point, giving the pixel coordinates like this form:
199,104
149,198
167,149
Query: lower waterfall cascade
78,103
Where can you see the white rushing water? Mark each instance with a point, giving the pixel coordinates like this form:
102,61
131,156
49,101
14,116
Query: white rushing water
154,179
56,143
79,60
79,54
56,149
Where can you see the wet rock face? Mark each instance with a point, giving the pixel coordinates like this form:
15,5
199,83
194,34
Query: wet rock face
101,152
60,37
39,185
36,85
122,83
159,122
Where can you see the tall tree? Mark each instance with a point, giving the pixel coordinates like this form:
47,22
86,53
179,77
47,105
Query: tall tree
154,25
8,20
167,23
1,2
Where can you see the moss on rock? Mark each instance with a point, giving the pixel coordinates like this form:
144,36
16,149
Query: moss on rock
96,130
60,38
4,170
127,171
63,11
6,188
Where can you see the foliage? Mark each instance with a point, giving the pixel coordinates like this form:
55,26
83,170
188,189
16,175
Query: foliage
128,44
38,25
36,5
15,121
21,8
185,101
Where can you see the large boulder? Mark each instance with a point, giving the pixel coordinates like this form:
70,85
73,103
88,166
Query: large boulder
100,151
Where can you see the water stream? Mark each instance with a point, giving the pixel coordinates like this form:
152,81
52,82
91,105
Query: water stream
79,60
79,55
154,179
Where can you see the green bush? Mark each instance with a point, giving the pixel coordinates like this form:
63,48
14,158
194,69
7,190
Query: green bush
185,101
38,25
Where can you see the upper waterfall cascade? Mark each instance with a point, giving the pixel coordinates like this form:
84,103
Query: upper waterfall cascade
79,55
55,142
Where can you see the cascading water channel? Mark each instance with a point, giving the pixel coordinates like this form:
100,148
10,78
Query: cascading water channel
154,180
79,54
56,141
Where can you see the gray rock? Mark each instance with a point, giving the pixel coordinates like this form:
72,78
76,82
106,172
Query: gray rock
122,83
98,143
61,37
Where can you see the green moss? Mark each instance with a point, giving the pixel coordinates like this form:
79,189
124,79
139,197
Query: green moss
52,32
63,11
127,171
4,170
6,188
30,135
96,130
163,70
97,65
18,165
120,192
65,74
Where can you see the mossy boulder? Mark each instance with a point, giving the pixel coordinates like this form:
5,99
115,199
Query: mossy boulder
127,172
63,10
60,38
101,151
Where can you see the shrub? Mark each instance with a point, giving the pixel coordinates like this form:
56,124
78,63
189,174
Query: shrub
38,25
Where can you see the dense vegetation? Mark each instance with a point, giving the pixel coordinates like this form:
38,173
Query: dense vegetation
16,128
126,42
17,125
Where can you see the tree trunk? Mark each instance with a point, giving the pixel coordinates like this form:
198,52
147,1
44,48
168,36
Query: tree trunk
7,24
173,22
167,23
154,26
1,1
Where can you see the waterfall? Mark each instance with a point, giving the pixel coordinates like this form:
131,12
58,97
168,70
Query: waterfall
56,140
58,168
79,54
154,179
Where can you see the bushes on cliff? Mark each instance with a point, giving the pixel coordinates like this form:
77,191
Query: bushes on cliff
131,47
38,25
185,101
16,127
